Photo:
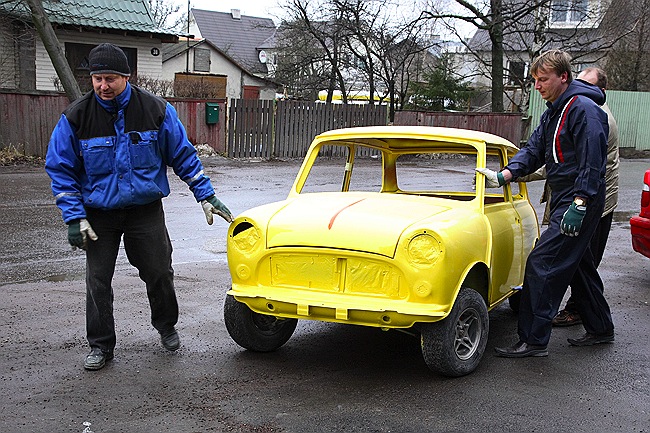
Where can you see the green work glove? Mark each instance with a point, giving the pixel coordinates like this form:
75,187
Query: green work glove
572,220
78,233
493,179
212,205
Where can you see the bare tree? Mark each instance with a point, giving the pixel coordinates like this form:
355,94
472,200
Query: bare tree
385,47
519,30
354,45
628,62
54,50
321,26
168,15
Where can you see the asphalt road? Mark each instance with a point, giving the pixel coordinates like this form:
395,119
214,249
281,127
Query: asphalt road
327,378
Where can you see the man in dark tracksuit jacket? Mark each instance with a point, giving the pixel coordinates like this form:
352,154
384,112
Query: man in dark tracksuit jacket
108,158
572,141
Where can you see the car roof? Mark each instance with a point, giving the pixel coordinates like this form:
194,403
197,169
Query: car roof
414,137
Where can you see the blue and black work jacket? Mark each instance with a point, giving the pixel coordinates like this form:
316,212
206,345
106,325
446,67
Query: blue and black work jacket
114,154
571,140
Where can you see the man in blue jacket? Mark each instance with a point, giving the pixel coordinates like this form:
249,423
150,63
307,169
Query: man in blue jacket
108,158
572,141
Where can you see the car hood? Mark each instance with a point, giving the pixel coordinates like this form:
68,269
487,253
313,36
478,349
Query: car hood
362,222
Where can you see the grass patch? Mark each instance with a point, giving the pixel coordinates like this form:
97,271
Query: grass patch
12,155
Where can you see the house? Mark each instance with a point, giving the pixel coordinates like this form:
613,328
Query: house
241,42
584,28
79,26
199,66
243,38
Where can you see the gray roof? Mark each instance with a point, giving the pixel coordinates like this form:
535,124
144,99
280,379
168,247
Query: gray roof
238,38
122,15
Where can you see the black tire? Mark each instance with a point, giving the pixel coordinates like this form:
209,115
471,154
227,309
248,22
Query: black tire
514,300
254,331
454,346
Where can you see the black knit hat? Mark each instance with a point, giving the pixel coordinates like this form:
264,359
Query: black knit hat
108,59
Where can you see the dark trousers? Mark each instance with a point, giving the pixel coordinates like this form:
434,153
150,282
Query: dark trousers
148,248
598,244
556,261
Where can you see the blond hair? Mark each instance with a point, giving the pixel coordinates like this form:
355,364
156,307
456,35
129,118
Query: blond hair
556,60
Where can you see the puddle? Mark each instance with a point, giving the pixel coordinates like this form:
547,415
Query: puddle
57,278
623,217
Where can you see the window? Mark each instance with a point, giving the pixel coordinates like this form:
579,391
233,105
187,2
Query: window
332,173
201,60
516,72
569,11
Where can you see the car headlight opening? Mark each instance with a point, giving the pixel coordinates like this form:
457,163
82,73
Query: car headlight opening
424,249
245,237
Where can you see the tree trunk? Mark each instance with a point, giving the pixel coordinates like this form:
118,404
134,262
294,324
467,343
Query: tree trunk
53,47
496,36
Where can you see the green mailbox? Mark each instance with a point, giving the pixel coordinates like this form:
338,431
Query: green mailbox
211,113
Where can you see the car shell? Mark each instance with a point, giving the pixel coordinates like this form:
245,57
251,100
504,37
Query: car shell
640,225
387,259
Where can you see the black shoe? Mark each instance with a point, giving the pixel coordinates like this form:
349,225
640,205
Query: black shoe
521,350
170,340
97,358
591,339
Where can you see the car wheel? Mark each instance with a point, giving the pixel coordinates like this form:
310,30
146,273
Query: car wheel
455,345
514,300
254,331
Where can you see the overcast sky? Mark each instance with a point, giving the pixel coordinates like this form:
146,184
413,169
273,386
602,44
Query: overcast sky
270,8
256,8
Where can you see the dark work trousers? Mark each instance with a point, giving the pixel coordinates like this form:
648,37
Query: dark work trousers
598,244
148,248
556,261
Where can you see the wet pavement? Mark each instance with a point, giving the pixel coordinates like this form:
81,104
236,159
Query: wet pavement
328,377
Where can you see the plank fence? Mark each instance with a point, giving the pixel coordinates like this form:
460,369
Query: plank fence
28,118
262,129
506,125
250,128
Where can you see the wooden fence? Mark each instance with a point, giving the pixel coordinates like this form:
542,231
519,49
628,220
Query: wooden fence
192,113
250,128
27,120
505,125
258,129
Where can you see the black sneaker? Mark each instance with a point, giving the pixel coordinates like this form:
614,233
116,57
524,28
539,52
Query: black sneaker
97,358
170,340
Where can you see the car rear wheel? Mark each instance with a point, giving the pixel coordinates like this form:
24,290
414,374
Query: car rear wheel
455,345
254,331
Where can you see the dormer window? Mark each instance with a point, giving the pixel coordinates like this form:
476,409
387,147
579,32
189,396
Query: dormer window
569,12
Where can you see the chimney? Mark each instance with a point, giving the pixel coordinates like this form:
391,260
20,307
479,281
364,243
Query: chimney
236,14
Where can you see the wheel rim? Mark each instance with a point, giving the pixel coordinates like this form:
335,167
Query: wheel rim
468,334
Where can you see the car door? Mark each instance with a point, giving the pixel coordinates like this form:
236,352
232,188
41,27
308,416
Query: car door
506,270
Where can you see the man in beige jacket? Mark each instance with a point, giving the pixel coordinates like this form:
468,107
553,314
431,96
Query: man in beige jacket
569,315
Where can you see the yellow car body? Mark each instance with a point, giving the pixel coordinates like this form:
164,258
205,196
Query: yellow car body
388,258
